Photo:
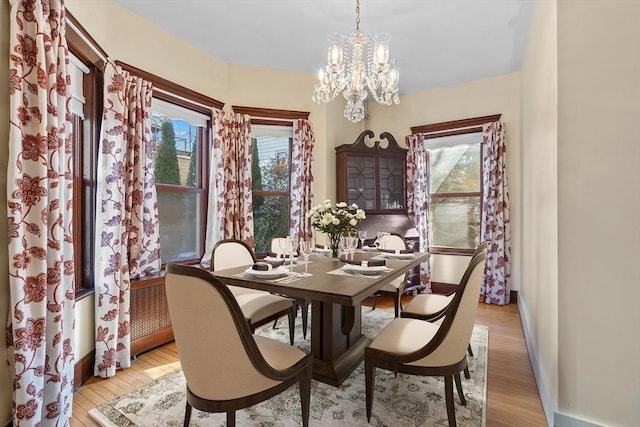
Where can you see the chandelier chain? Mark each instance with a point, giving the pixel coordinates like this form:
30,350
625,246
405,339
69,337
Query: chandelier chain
357,15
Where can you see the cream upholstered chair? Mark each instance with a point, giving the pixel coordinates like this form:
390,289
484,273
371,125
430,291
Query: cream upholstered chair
396,286
430,306
276,247
225,366
258,307
417,347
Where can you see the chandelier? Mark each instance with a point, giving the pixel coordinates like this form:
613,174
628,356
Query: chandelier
356,67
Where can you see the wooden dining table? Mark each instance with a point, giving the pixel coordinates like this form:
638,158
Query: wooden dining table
337,342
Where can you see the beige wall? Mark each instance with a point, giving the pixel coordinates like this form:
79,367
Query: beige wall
6,394
598,211
499,94
538,296
581,204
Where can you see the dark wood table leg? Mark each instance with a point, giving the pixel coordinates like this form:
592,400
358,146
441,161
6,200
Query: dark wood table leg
337,342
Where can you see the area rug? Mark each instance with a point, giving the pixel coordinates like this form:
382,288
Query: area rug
398,401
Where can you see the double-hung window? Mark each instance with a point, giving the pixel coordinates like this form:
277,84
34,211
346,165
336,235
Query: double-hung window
455,191
181,153
271,172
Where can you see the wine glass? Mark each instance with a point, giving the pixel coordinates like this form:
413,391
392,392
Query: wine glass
306,248
283,244
362,235
293,248
352,245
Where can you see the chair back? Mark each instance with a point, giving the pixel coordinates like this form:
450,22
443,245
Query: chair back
229,253
214,343
395,241
460,315
482,247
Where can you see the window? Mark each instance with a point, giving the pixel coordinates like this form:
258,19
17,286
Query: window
180,136
271,182
86,107
454,174
455,190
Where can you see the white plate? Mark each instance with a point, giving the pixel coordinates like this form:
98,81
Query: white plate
369,248
398,256
266,274
276,259
322,250
364,270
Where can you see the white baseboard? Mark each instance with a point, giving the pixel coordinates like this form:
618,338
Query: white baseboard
554,418
548,406
562,420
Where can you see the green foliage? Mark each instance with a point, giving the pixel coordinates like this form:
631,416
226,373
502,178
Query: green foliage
270,218
191,173
256,174
167,169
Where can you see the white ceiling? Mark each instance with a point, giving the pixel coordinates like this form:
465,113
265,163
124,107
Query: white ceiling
435,42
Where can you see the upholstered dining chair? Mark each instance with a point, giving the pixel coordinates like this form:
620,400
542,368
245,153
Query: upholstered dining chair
276,247
396,286
416,347
258,307
430,306
226,367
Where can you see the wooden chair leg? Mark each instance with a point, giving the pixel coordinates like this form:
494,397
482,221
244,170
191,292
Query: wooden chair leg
187,415
456,377
469,350
369,381
292,323
396,303
373,301
305,317
467,375
448,393
305,396
275,322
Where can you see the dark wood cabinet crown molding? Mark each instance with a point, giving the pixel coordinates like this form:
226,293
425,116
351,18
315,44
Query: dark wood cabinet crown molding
474,122
174,88
377,147
271,113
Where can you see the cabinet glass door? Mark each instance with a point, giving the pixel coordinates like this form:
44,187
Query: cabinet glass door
361,182
392,194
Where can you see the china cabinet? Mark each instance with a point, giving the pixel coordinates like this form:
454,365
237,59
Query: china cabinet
371,174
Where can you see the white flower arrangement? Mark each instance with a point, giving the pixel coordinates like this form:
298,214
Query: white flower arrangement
336,220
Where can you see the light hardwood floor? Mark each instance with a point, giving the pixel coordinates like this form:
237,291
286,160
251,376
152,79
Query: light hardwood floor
512,396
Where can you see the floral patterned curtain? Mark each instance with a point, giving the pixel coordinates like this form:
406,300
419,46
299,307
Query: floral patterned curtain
496,217
39,197
127,238
215,225
417,202
301,178
237,212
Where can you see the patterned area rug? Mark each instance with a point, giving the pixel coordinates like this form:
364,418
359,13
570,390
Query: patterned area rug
402,401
